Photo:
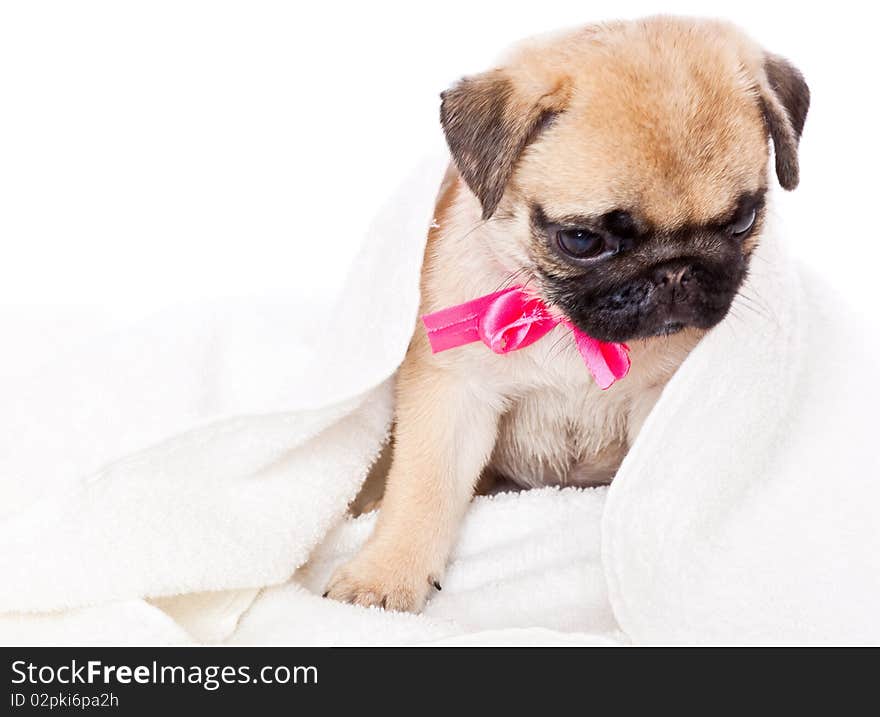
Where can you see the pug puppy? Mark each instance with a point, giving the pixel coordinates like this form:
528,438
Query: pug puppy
620,173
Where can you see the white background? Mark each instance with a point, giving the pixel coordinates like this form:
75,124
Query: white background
156,153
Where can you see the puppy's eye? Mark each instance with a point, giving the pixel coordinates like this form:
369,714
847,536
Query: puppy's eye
580,243
743,224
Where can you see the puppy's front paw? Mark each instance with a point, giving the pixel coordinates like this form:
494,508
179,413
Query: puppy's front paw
384,580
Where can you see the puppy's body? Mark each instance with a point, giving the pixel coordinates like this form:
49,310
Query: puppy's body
619,173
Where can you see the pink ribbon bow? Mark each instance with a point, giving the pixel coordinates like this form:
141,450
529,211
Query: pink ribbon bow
511,319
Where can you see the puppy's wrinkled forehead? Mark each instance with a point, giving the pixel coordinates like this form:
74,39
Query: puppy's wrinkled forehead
667,125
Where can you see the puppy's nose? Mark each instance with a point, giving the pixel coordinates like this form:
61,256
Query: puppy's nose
672,280
672,276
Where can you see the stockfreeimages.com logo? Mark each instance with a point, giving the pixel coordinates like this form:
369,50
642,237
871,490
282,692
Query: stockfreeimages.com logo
211,677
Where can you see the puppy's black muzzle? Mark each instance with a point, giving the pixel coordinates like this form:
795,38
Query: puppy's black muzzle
663,299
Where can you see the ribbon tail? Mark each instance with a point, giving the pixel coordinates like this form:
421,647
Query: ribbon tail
443,337
458,325
607,362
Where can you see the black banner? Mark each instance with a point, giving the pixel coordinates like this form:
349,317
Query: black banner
265,680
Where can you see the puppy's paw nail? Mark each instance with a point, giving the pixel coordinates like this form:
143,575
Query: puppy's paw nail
436,585
326,593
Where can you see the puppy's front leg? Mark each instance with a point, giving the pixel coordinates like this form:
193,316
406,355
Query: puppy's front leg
446,431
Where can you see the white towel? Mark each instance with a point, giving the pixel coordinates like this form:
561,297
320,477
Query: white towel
186,479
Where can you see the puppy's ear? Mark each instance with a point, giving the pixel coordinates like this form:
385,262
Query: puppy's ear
786,100
489,119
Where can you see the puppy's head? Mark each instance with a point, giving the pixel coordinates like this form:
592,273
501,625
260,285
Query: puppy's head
624,167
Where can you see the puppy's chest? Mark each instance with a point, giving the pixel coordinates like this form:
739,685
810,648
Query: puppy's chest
550,436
